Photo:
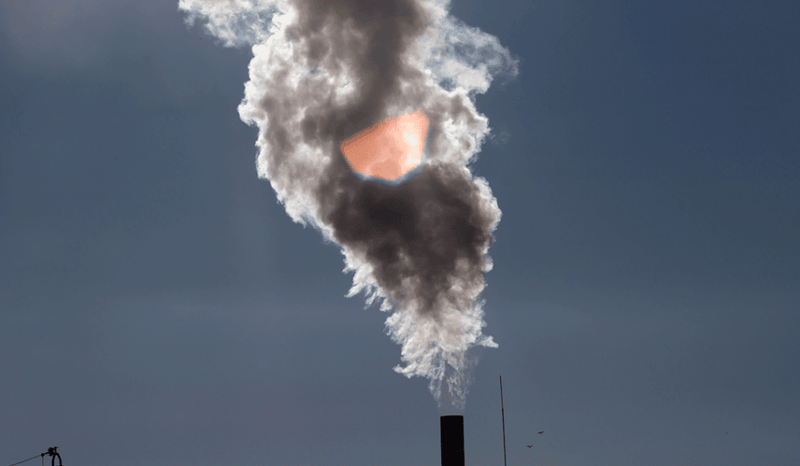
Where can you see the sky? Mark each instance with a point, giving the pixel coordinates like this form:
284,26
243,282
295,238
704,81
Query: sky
159,307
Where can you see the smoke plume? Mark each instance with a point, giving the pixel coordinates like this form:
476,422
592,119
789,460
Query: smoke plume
323,70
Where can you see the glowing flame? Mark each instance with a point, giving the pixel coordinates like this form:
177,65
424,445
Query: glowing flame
390,149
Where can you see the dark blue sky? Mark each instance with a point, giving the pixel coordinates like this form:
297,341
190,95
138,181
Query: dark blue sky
158,306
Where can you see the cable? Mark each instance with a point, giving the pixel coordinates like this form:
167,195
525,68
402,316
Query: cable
52,451
32,457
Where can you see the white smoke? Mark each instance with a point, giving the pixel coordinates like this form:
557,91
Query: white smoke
323,70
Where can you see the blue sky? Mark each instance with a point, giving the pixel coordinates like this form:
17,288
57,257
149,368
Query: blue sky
158,306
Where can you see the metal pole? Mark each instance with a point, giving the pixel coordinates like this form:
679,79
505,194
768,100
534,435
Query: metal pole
503,414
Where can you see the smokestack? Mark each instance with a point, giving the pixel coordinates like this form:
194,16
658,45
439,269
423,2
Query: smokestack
452,431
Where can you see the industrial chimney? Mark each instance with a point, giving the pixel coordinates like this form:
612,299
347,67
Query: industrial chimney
452,430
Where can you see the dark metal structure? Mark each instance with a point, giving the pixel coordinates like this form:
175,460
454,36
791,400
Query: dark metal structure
503,416
452,431
53,451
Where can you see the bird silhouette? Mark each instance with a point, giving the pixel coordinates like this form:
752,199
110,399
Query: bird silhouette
541,432
530,446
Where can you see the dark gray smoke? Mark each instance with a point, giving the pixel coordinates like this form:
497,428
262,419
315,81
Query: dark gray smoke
323,70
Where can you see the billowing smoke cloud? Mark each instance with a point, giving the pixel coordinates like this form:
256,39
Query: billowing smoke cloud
323,70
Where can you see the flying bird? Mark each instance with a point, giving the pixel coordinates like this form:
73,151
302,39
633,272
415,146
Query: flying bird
530,446
541,432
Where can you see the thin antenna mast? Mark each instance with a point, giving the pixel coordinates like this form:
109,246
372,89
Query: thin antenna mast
503,414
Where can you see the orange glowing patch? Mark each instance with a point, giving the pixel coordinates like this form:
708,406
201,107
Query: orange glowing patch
389,149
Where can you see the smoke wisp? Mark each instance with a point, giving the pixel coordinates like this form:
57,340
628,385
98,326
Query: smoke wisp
323,70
